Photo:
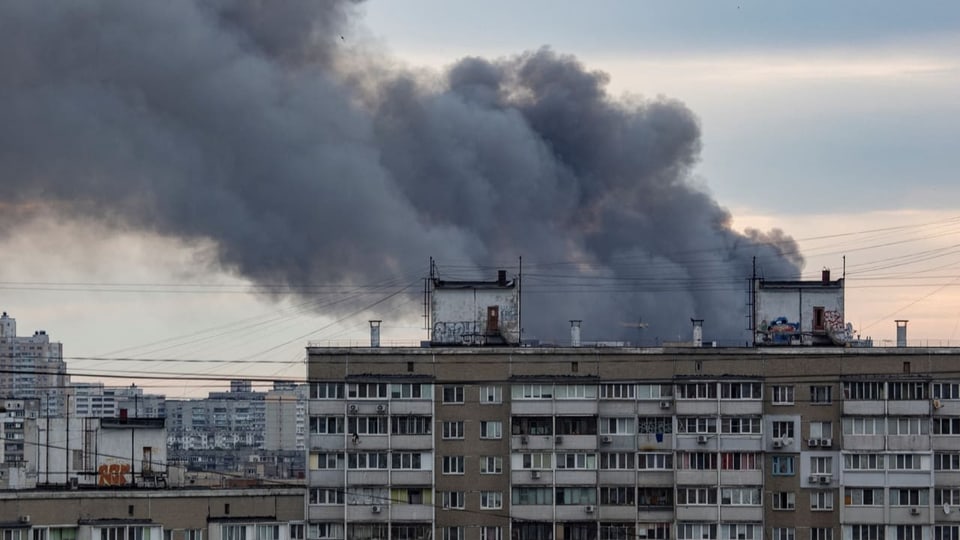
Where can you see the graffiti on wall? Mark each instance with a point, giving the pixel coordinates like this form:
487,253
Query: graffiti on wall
464,332
780,330
113,474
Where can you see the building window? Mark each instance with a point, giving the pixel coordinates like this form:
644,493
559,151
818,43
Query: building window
697,424
268,532
326,425
654,496
821,533
576,460
742,496
326,461
696,531
576,495
411,425
946,461
863,425
367,390
491,533
532,495
453,499
782,466
490,429
741,390
227,532
532,425
864,390
949,496
618,495
697,391
622,460
654,391
946,532
946,425
909,496
909,462
821,394
655,424
908,532
491,464
453,533
367,425
946,390
453,465
654,461
782,430
491,395
740,461
740,531
821,465
491,500
411,390
326,531
452,394
197,534
821,430
406,461
740,425
697,496
821,500
575,391
698,461
910,425
648,531
453,430
537,461
326,390
784,533
617,426
782,394
784,500
367,460
618,391
324,496
902,391
532,391
576,425
863,496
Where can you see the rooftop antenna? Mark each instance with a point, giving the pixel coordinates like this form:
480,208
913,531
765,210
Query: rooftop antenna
639,325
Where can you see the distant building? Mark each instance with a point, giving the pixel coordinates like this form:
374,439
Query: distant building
32,367
93,399
242,430
17,427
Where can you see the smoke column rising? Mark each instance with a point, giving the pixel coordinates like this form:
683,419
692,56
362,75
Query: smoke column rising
251,124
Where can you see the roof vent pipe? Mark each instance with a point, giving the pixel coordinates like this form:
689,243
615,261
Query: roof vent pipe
575,333
375,333
697,332
902,332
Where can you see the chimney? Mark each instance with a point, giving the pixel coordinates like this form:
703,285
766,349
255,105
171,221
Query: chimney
374,334
501,277
697,332
575,333
825,276
902,332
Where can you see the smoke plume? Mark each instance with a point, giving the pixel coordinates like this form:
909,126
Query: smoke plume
243,122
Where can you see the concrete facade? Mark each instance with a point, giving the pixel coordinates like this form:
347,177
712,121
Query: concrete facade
32,367
789,443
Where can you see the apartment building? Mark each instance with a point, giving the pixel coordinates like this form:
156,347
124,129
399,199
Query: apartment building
32,367
787,441
94,399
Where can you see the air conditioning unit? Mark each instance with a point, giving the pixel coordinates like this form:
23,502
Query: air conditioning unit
826,443
353,409
825,479
589,509
381,408
24,519
937,404
914,511
375,509
814,479
524,439
813,443
701,439
535,475
778,443
606,439
664,404
74,482
558,439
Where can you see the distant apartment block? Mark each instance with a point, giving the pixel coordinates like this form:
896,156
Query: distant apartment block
32,367
94,399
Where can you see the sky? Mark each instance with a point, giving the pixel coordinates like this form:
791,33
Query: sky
833,122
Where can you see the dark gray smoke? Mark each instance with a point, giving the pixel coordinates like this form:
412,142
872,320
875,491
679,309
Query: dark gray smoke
238,121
